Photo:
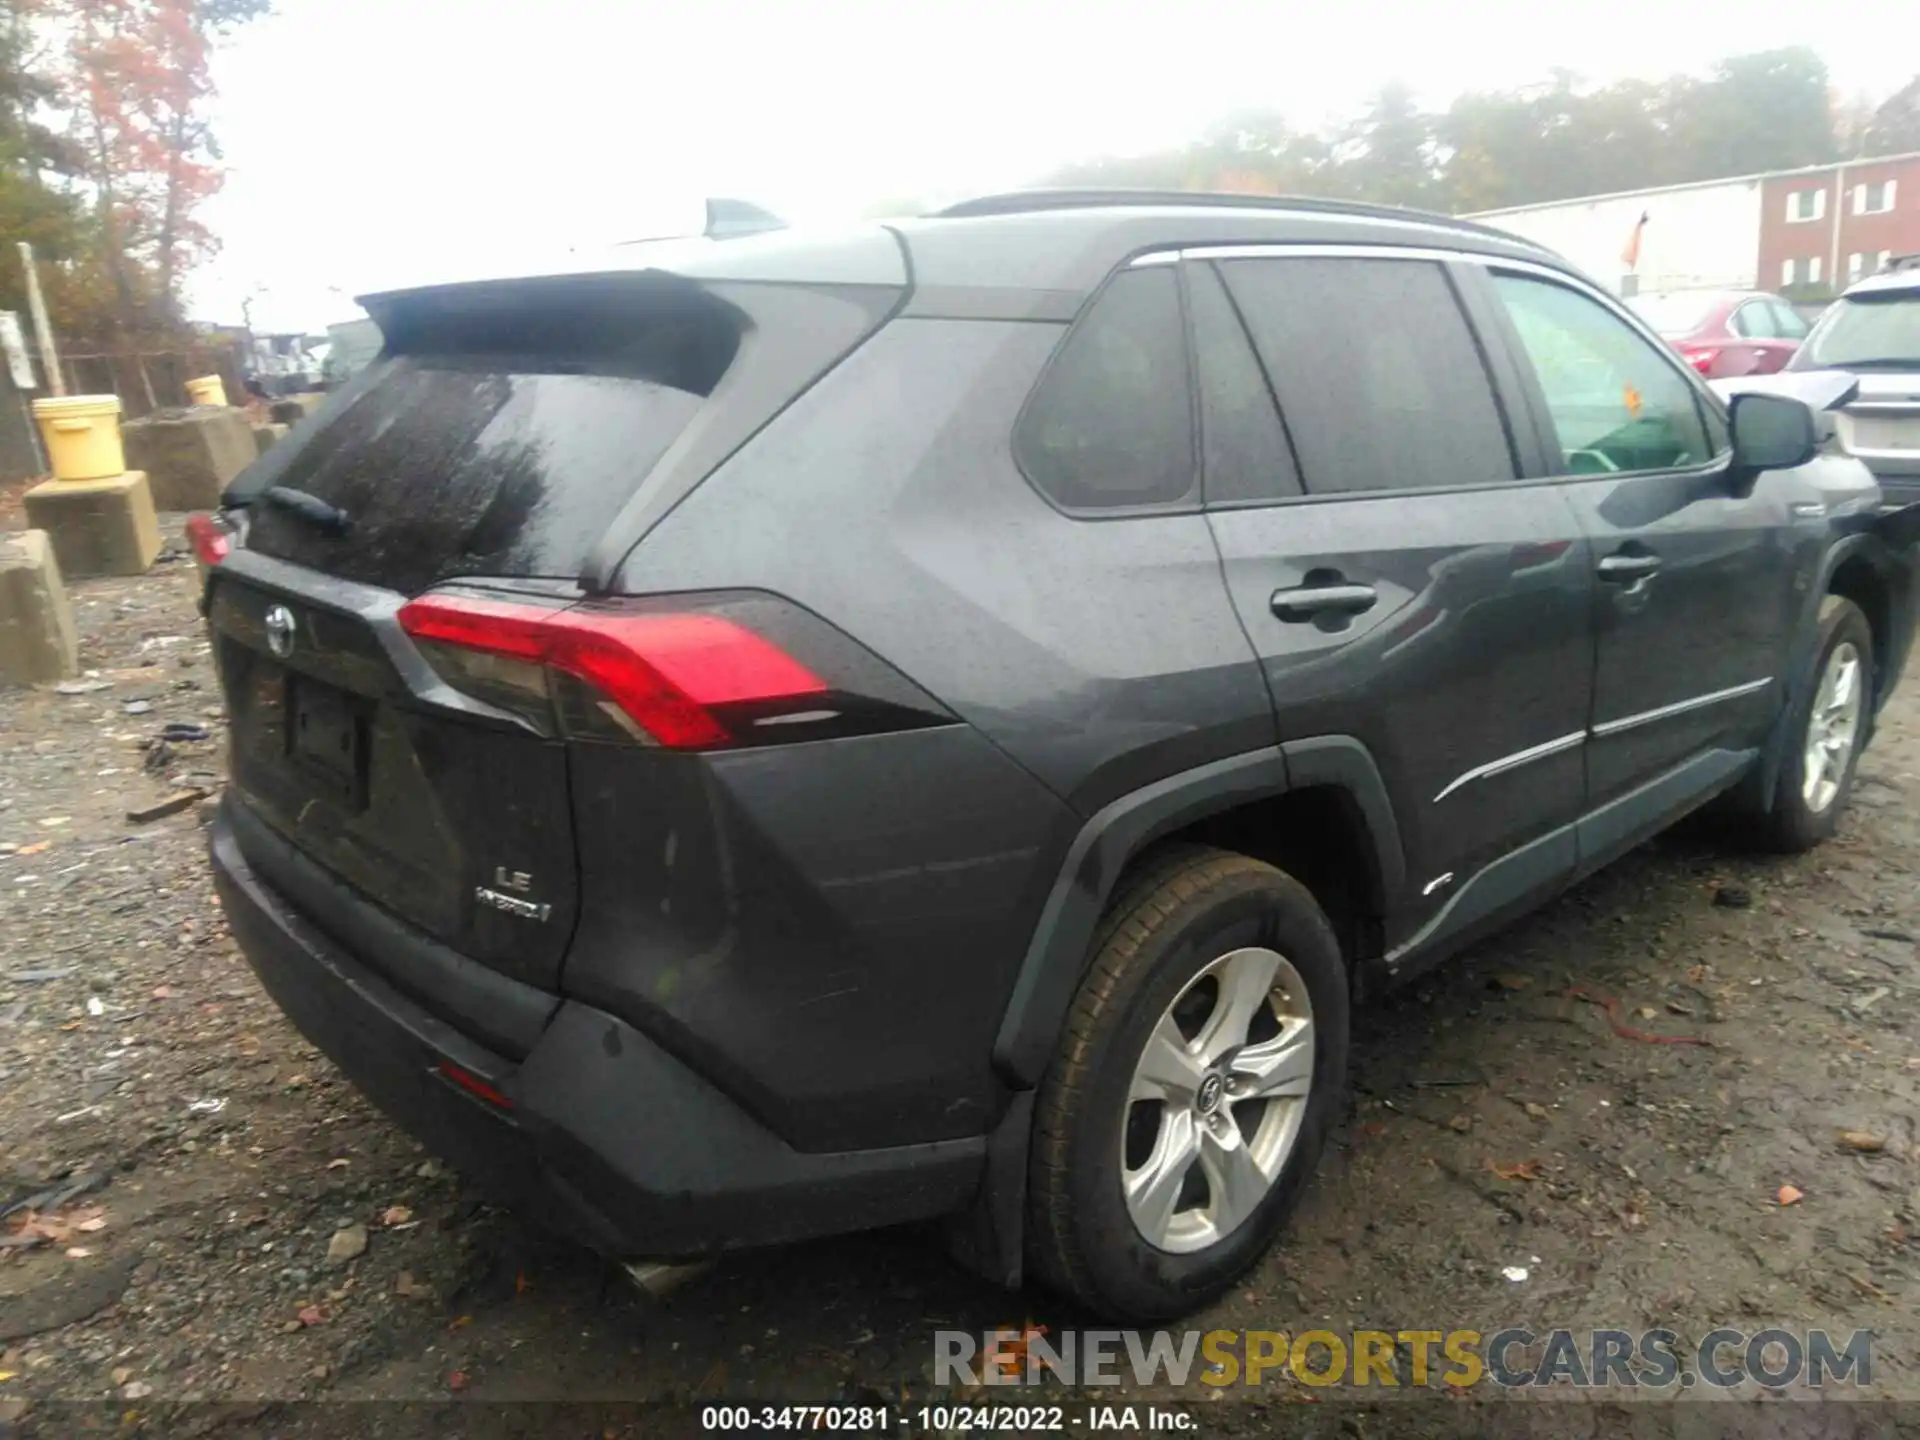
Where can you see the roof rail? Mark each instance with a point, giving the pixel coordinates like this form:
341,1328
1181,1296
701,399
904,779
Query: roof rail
1020,202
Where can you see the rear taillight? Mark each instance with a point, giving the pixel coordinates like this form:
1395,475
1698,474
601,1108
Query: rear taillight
1701,360
685,679
209,538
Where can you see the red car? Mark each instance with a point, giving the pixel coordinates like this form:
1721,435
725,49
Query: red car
1725,334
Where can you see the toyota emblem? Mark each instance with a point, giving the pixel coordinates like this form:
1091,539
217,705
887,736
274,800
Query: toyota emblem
280,631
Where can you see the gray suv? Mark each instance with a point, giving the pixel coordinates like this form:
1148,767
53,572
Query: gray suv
1873,332
791,735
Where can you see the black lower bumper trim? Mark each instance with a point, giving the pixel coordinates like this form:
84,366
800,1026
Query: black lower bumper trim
610,1139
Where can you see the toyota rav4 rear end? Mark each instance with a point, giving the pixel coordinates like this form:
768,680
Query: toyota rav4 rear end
684,919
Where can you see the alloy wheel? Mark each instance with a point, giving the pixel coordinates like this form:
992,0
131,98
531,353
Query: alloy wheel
1217,1100
1833,725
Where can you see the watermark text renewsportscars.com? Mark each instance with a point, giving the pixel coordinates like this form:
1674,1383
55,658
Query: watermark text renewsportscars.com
1449,1359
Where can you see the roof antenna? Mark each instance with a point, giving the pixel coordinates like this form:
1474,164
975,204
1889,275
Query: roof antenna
729,219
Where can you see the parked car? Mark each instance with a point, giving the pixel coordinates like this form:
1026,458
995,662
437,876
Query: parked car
1873,331
1725,333
947,720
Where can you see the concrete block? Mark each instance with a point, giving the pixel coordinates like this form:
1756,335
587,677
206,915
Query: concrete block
265,437
37,641
190,455
98,527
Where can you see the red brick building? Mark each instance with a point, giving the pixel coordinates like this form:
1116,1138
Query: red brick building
1808,232
1823,229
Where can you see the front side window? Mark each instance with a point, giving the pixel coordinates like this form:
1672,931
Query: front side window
1617,403
1379,380
1109,424
1674,314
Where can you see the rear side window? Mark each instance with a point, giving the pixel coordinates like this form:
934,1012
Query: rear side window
501,438
1245,458
1787,324
1110,423
1378,376
1754,321
1616,402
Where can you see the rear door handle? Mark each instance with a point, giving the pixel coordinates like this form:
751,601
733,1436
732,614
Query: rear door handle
1312,600
1625,569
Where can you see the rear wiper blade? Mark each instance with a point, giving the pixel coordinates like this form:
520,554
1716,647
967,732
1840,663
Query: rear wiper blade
324,516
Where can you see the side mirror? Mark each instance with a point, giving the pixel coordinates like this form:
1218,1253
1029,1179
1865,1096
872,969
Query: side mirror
1771,432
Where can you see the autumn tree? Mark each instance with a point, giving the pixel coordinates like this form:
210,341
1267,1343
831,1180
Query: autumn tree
138,87
1390,155
1894,126
39,168
1553,140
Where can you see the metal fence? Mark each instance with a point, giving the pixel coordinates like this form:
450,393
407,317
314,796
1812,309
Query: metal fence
149,380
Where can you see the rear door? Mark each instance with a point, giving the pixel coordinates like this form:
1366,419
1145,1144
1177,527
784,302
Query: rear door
1700,585
1401,584
489,448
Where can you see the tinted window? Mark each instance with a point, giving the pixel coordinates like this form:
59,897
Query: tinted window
1244,451
1378,376
1617,402
1110,423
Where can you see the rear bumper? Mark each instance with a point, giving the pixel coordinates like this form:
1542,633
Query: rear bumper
609,1139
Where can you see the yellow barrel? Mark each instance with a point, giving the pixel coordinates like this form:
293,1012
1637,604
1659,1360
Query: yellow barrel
83,435
207,390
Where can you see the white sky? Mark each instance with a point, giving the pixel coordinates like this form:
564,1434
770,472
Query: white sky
374,142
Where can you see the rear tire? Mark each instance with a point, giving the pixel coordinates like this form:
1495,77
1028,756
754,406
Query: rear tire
1165,1160
1827,731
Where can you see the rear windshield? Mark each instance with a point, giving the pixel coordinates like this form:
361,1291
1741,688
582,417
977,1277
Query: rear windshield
501,432
1868,330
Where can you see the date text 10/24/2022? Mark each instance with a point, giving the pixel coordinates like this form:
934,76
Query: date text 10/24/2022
946,1419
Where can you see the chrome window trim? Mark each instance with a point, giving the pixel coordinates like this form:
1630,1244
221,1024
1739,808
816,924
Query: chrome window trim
1322,250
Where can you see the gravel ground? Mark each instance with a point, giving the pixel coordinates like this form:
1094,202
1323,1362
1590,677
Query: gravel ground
222,1218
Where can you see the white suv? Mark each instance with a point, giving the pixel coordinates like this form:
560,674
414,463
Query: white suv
1873,331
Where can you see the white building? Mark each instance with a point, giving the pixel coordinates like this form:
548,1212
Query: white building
1703,236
